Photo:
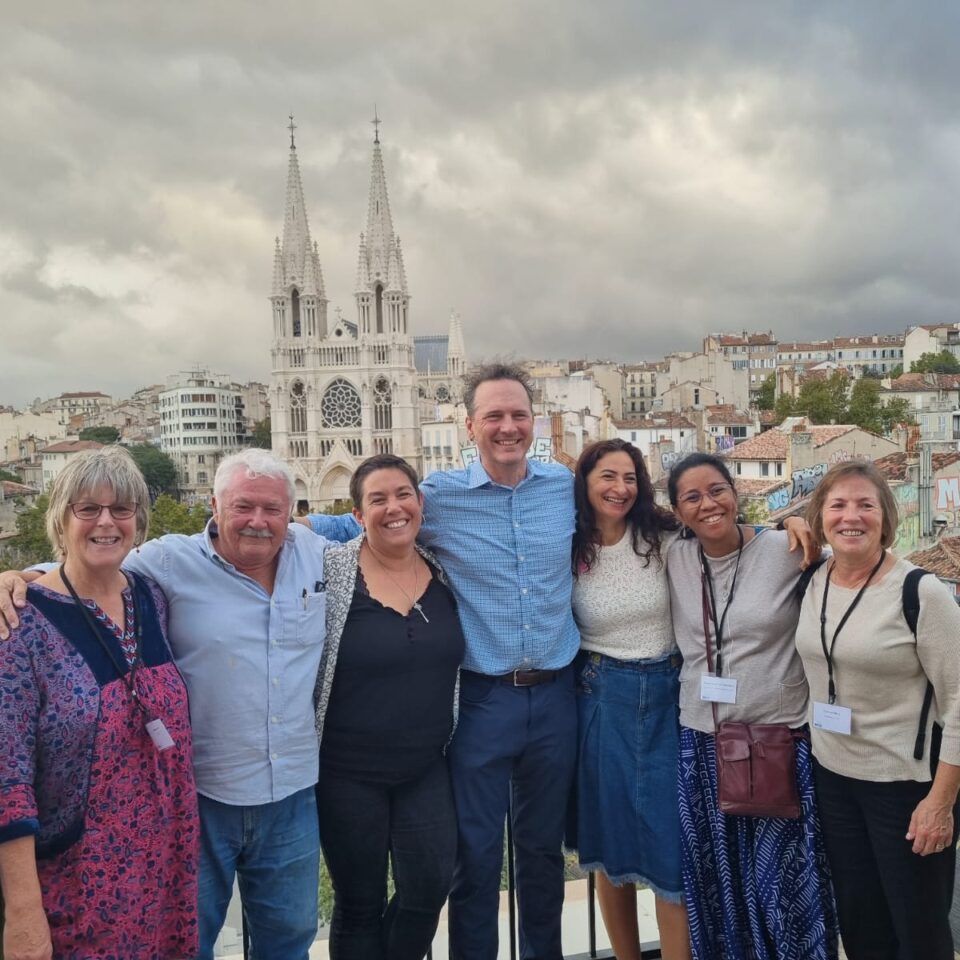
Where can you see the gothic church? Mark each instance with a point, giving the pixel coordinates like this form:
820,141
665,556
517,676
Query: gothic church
341,390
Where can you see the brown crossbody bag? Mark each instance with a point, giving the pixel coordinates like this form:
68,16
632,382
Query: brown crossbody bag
756,762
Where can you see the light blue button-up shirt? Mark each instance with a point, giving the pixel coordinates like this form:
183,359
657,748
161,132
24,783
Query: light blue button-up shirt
249,660
506,551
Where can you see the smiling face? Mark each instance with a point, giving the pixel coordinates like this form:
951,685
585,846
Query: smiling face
502,427
251,518
707,504
390,510
101,544
852,518
612,488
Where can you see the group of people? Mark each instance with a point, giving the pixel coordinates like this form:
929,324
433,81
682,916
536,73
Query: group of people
491,642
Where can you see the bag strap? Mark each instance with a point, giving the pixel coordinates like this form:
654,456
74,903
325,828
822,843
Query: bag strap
911,613
705,606
805,577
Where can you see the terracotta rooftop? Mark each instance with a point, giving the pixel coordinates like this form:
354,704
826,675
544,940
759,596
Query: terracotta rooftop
72,446
814,347
943,559
923,382
875,339
12,489
665,420
894,465
774,444
762,487
726,413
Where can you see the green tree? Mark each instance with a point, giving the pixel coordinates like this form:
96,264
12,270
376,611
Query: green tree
896,411
767,397
260,435
169,516
31,545
823,400
100,434
896,371
784,407
337,507
942,362
756,513
865,409
12,477
157,468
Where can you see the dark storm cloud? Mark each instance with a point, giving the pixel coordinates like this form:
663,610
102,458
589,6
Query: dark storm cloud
598,179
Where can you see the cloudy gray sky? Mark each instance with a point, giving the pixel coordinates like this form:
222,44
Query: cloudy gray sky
612,178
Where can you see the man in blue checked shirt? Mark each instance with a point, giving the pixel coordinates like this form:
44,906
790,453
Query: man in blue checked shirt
502,530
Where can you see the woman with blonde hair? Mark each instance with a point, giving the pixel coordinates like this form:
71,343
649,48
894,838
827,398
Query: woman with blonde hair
98,811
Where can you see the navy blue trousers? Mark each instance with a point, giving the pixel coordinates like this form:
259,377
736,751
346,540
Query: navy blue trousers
519,745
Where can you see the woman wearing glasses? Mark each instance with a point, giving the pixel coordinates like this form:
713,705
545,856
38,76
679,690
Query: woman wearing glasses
98,815
756,887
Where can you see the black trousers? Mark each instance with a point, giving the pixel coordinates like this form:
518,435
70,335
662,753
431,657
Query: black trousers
361,825
892,904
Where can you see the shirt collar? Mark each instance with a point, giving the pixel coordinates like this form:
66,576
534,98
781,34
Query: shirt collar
477,476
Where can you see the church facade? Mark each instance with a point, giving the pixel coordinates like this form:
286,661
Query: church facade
343,390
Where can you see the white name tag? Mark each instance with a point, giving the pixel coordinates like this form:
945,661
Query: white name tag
832,717
159,735
718,689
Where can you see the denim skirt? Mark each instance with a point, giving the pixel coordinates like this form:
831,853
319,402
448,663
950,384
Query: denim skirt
628,823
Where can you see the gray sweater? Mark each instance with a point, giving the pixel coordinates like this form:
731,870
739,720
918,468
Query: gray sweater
758,634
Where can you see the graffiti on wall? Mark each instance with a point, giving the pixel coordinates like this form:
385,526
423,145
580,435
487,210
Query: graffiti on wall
724,443
668,460
908,509
948,493
839,456
778,499
805,481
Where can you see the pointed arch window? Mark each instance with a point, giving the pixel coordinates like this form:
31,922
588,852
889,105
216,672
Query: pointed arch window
340,406
295,311
382,405
298,408
378,294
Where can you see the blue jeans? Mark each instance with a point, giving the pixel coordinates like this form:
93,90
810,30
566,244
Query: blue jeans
519,744
274,851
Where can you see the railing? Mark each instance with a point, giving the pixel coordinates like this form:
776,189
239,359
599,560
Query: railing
648,951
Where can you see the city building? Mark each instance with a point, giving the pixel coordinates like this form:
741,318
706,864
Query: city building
201,421
639,390
72,409
55,456
754,352
930,338
934,401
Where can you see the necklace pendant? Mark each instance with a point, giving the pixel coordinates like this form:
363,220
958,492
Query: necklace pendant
419,610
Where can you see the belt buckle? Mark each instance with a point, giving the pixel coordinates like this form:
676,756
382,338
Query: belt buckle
517,682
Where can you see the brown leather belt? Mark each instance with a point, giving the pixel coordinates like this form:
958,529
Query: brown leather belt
522,678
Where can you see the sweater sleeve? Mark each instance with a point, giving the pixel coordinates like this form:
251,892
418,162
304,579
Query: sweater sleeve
19,709
938,648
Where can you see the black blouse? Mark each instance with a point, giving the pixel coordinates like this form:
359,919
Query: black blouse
391,706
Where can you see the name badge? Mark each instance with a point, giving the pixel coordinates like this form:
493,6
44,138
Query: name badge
718,689
832,717
159,734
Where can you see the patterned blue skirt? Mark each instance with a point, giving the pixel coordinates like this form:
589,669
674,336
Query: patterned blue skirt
757,888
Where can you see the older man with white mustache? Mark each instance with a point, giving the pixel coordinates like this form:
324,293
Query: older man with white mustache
247,626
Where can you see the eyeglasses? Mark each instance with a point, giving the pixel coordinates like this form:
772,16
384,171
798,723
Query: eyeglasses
91,511
716,491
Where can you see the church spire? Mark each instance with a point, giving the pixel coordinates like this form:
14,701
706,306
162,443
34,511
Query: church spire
456,353
300,263
382,296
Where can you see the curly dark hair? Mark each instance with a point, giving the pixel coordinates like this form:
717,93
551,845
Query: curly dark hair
646,520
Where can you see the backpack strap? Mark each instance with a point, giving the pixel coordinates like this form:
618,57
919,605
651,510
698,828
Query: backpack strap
911,613
803,581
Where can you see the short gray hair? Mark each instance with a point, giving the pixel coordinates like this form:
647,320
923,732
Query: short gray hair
254,462
111,467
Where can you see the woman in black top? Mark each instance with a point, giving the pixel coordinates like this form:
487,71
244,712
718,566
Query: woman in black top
385,712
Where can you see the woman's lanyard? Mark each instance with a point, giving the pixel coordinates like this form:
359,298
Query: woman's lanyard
828,653
718,622
154,726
